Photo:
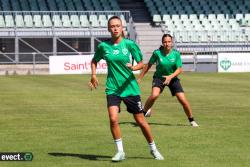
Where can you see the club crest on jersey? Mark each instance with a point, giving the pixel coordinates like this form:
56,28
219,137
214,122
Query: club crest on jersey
115,52
172,60
125,51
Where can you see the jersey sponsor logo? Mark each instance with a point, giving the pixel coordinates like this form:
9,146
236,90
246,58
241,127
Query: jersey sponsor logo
125,51
172,60
116,52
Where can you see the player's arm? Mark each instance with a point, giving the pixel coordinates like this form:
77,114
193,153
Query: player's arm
138,66
93,83
136,56
144,71
146,67
177,71
175,74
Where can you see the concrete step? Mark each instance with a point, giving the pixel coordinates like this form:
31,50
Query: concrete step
155,33
149,43
24,69
150,38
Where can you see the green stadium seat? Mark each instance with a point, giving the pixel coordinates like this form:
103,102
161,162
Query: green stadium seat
70,6
33,5
88,5
42,5
6,6
114,5
106,5
97,5
61,5
78,5
52,5
15,5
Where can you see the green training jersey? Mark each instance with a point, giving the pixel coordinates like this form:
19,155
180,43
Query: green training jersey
120,79
165,64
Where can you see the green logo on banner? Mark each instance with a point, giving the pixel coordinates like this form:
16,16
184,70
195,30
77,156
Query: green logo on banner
28,156
225,64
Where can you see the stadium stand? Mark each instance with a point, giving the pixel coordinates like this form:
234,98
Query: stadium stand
195,24
200,16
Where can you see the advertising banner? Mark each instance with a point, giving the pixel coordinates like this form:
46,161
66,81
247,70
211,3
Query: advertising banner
74,65
233,62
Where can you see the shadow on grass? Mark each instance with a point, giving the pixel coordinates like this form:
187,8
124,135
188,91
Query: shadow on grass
152,123
90,156
82,156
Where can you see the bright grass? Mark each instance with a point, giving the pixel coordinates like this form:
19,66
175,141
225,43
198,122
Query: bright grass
64,124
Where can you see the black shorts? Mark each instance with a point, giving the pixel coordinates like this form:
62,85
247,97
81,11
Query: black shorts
174,85
133,103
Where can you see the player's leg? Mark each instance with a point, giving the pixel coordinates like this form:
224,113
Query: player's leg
134,106
186,107
145,128
155,93
113,110
157,87
177,90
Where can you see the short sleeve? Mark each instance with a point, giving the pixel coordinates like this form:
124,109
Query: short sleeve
153,58
136,52
98,54
178,60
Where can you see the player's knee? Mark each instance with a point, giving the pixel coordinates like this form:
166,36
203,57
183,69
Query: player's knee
154,96
113,121
142,123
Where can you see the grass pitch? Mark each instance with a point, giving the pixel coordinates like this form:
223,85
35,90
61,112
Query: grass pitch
63,123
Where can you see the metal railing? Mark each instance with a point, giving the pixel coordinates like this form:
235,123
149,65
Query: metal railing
32,23
34,57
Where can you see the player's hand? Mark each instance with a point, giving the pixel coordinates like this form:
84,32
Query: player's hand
138,80
129,65
93,83
168,80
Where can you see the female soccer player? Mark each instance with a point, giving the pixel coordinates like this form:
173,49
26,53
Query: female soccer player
168,67
121,84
